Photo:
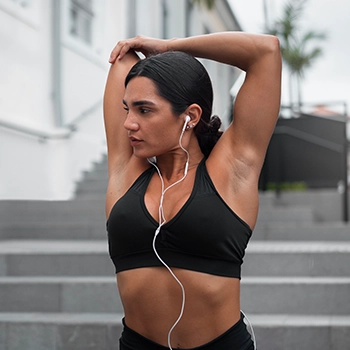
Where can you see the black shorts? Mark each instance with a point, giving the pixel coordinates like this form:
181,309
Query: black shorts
236,338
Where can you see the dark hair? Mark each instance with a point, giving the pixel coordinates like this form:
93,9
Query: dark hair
182,80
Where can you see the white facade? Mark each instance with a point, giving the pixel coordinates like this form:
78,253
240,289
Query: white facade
54,64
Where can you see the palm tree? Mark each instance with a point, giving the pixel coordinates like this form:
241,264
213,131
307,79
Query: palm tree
297,51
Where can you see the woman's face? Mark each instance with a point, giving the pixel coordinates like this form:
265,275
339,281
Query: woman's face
152,126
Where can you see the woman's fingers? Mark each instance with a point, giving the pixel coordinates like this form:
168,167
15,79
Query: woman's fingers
119,51
122,48
147,46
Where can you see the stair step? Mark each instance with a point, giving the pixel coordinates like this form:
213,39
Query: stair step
92,185
102,165
91,196
301,332
294,258
320,231
296,295
298,213
62,331
59,331
59,294
52,212
55,258
96,174
54,230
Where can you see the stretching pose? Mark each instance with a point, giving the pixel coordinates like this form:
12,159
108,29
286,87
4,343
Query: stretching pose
182,197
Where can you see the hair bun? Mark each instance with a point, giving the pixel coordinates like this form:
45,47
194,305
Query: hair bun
208,134
214,124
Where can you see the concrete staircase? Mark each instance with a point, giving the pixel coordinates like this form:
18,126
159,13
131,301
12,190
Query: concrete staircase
58,290
296,280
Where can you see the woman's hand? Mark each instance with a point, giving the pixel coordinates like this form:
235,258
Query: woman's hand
147,46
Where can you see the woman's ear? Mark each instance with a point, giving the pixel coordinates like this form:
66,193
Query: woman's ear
194,111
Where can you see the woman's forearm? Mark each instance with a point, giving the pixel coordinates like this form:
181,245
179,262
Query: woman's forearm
233,48
238,49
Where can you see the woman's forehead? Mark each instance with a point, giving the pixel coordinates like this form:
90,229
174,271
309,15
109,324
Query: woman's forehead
142,89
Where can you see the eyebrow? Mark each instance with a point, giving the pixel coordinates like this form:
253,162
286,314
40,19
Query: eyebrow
140,103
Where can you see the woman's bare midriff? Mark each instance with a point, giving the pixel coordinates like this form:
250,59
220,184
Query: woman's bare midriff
152,302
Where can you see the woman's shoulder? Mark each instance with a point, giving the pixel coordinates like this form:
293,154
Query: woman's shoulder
121,177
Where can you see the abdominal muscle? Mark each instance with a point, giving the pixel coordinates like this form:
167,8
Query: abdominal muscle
152,303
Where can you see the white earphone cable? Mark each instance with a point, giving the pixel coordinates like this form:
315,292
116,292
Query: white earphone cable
162,221
251,330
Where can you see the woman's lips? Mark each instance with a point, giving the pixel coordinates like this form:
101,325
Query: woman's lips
134,141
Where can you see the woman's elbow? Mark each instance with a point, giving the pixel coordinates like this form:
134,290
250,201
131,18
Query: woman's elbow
273,51
272,45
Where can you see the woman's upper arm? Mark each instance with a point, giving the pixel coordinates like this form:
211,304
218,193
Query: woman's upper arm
119,148
256,107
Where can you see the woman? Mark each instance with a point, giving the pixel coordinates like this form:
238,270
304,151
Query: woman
178,225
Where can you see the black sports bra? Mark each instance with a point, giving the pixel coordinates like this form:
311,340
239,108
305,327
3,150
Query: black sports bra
205,235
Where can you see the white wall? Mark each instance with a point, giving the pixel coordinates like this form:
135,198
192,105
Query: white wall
25,60
31,169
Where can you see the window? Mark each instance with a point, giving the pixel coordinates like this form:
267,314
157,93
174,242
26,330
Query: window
81,18
82,27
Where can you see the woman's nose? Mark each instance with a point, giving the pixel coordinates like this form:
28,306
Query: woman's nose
130,123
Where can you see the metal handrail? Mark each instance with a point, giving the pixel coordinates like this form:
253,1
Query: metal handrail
301,135
85,113
342,149
63,133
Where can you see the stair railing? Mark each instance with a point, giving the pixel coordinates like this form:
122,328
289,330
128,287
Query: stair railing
335,147
64,132
43,136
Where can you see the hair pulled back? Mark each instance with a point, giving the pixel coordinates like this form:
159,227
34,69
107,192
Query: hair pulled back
182,80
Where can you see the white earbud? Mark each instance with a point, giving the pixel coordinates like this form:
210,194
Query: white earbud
187,119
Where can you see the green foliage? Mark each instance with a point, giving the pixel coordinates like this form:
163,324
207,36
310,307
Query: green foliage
209,4
287,186
298,49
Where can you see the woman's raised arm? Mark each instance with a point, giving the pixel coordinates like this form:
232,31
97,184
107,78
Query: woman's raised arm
258,101
118,145
257,104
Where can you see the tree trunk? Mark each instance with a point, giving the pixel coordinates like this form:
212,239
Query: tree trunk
290,81
299,92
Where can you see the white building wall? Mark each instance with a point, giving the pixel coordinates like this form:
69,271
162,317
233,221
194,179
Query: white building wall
26,77
176,11
34,81
30,167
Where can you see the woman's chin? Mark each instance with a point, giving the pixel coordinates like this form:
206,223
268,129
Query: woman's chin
143,155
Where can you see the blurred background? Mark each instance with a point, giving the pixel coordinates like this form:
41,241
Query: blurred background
55,61
327,79
57,283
